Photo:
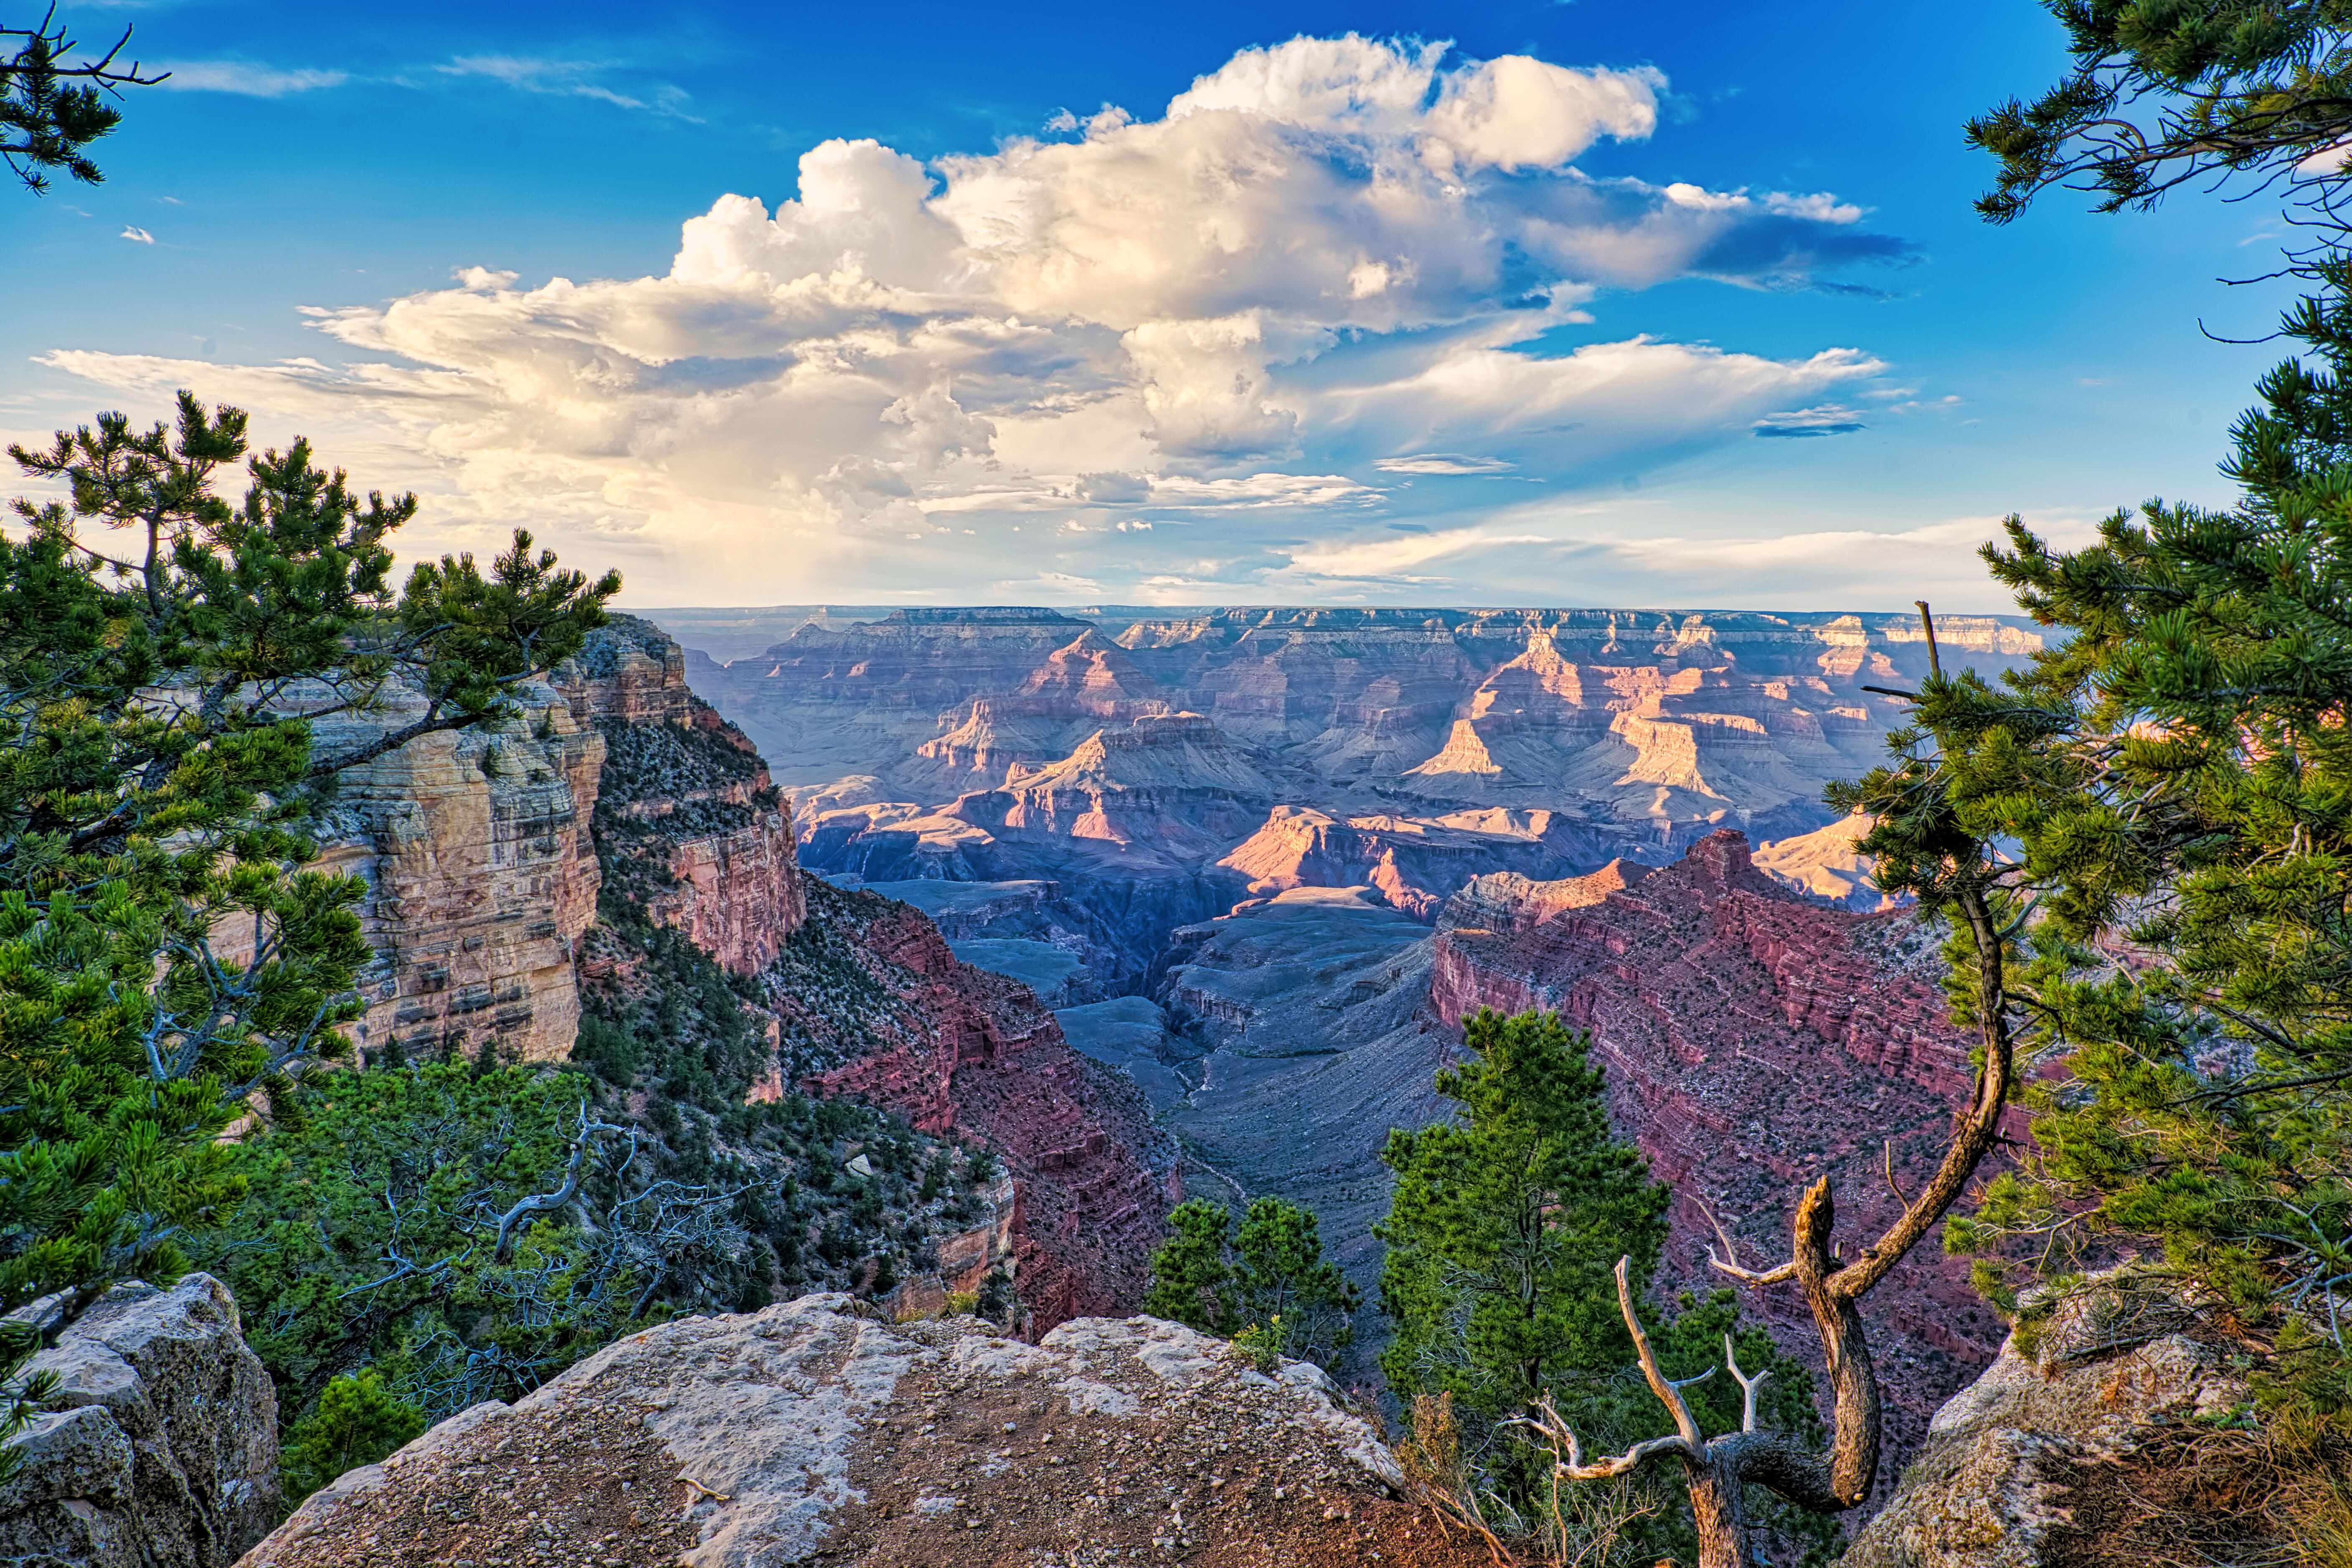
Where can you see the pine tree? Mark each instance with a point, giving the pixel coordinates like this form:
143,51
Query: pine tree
158,788
53,107
1522,1236
1505,1224
2176,774
1271,1281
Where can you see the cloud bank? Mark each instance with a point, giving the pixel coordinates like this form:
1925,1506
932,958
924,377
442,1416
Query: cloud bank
1334,283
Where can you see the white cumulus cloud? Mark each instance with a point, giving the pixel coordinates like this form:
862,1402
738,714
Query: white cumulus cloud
1327,268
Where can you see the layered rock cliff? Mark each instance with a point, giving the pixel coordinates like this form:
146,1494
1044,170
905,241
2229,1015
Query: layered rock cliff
874,1005
707,836
1755,1041
1416,862
1662,726
1128,759
481,874
812,1432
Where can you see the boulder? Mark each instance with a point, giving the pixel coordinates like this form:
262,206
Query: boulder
160,1450
2090,1443
813,1431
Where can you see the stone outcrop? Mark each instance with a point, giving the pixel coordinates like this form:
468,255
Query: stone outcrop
474,844
685,789
160,1447
1659,726
1827,864
1416,862
2115,1433
1755,1041
811,1432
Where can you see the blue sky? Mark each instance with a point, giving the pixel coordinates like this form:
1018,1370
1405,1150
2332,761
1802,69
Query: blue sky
1605,303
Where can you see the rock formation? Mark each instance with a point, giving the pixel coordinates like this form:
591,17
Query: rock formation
1416,862
159,1447
1658,727
1754,1041
685,788
811,1432
1127,760
473,846
2115,1433
887,1013
1826,864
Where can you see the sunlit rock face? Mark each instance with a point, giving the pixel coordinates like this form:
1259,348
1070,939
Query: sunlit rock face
1653,728
685,785
1163,769
481,877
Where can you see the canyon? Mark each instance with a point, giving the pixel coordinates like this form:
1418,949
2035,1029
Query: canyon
1262,863
503,868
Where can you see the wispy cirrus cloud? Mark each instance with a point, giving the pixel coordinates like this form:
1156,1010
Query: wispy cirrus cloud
569,77
247,80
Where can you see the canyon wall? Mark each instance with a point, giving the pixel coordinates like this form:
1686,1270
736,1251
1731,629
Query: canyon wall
887,1014
1163,769
683,786
481,874
1755,1041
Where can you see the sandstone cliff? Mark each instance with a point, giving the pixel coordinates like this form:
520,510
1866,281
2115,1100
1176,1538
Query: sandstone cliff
1754,1041
684,790
480,878
1658,726
1416,862
159,1447
810,1433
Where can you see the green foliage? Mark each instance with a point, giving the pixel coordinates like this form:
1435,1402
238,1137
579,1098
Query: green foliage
1192,1276
1264,1344
166,950
1505,1226
1503,1239
2178,784
2164,93
356,1422
369,1233
52,108
1270,1283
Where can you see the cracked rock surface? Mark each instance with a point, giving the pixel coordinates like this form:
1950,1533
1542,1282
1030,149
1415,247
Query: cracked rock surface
160,1448
813,1433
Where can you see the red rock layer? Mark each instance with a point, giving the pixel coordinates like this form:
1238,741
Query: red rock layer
735,890
1754,1042
736,894
974,1053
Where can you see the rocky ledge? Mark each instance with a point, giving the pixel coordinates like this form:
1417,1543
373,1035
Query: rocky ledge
811,1432
2114,1429
159,1448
